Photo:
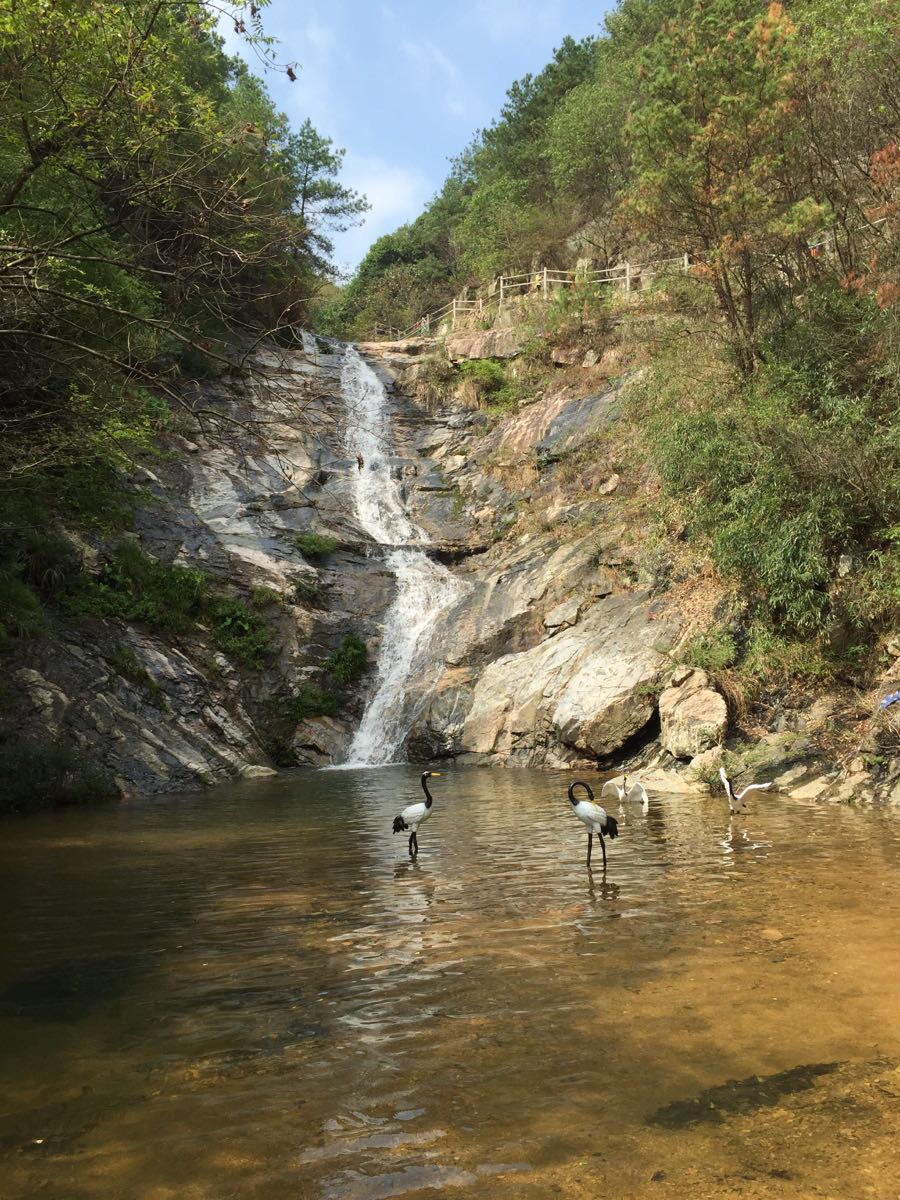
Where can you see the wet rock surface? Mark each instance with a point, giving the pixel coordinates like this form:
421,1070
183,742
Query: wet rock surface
554,654
229,500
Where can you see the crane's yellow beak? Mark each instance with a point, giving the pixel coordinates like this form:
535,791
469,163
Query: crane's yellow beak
435,774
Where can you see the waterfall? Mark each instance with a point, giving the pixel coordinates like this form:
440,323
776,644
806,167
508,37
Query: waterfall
424,588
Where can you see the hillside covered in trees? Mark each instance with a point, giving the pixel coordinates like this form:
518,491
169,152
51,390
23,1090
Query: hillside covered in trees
735,130
762,140
158,217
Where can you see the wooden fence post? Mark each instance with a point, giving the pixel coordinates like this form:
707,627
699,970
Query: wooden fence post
501,289
544,286
453,318
687,262
627,276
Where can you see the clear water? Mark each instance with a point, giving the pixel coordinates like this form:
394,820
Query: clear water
424,588
254,993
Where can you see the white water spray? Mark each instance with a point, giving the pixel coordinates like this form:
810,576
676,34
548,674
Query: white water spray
424,588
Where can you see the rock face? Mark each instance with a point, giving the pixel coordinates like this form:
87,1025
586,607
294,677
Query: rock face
585,691
488,343
169,712
693,716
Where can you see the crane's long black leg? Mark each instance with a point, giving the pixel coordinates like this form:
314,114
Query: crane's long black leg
590,846
412,838
603,848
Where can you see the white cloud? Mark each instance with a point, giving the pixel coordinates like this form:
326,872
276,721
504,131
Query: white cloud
397,194
518,20
431,65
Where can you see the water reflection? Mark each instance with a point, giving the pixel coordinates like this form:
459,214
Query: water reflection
212,996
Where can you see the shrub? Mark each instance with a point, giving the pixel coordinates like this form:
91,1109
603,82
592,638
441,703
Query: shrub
712,651
348,662
264,597
786,472
498,390
238,632
280,749
311,701
305,590
126,663
134,587
21,615
42,774
487,374
171,599
315,545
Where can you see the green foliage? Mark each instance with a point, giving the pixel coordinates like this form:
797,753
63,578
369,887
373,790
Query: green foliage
21,614
712,651
348,662
280,749
788,473
488,375
320,200
43,774
153,205
496,209
132,587
573,311
305,590
310,701
126,663
237,631
265,597
315,545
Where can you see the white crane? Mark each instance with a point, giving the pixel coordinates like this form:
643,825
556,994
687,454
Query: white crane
414,814
622,792
596,819
736,802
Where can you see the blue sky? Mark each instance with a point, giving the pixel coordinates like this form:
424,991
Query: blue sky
403,85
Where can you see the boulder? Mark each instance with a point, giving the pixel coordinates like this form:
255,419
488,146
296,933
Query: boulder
321,741
587,689
562,357
486,343
693,716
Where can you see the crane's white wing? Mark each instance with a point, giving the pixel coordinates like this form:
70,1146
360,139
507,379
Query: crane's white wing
752,787
610,788
638,794
414,812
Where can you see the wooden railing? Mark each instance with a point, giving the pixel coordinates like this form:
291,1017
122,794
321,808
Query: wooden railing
542,282
627,276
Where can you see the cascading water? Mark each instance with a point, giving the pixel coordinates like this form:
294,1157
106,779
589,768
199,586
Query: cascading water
424,588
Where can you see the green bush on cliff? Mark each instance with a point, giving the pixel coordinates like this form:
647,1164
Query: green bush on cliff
790,477
134,587
497,391
315,545
310,701
166,598
348,662
21,614
239,633
487,374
